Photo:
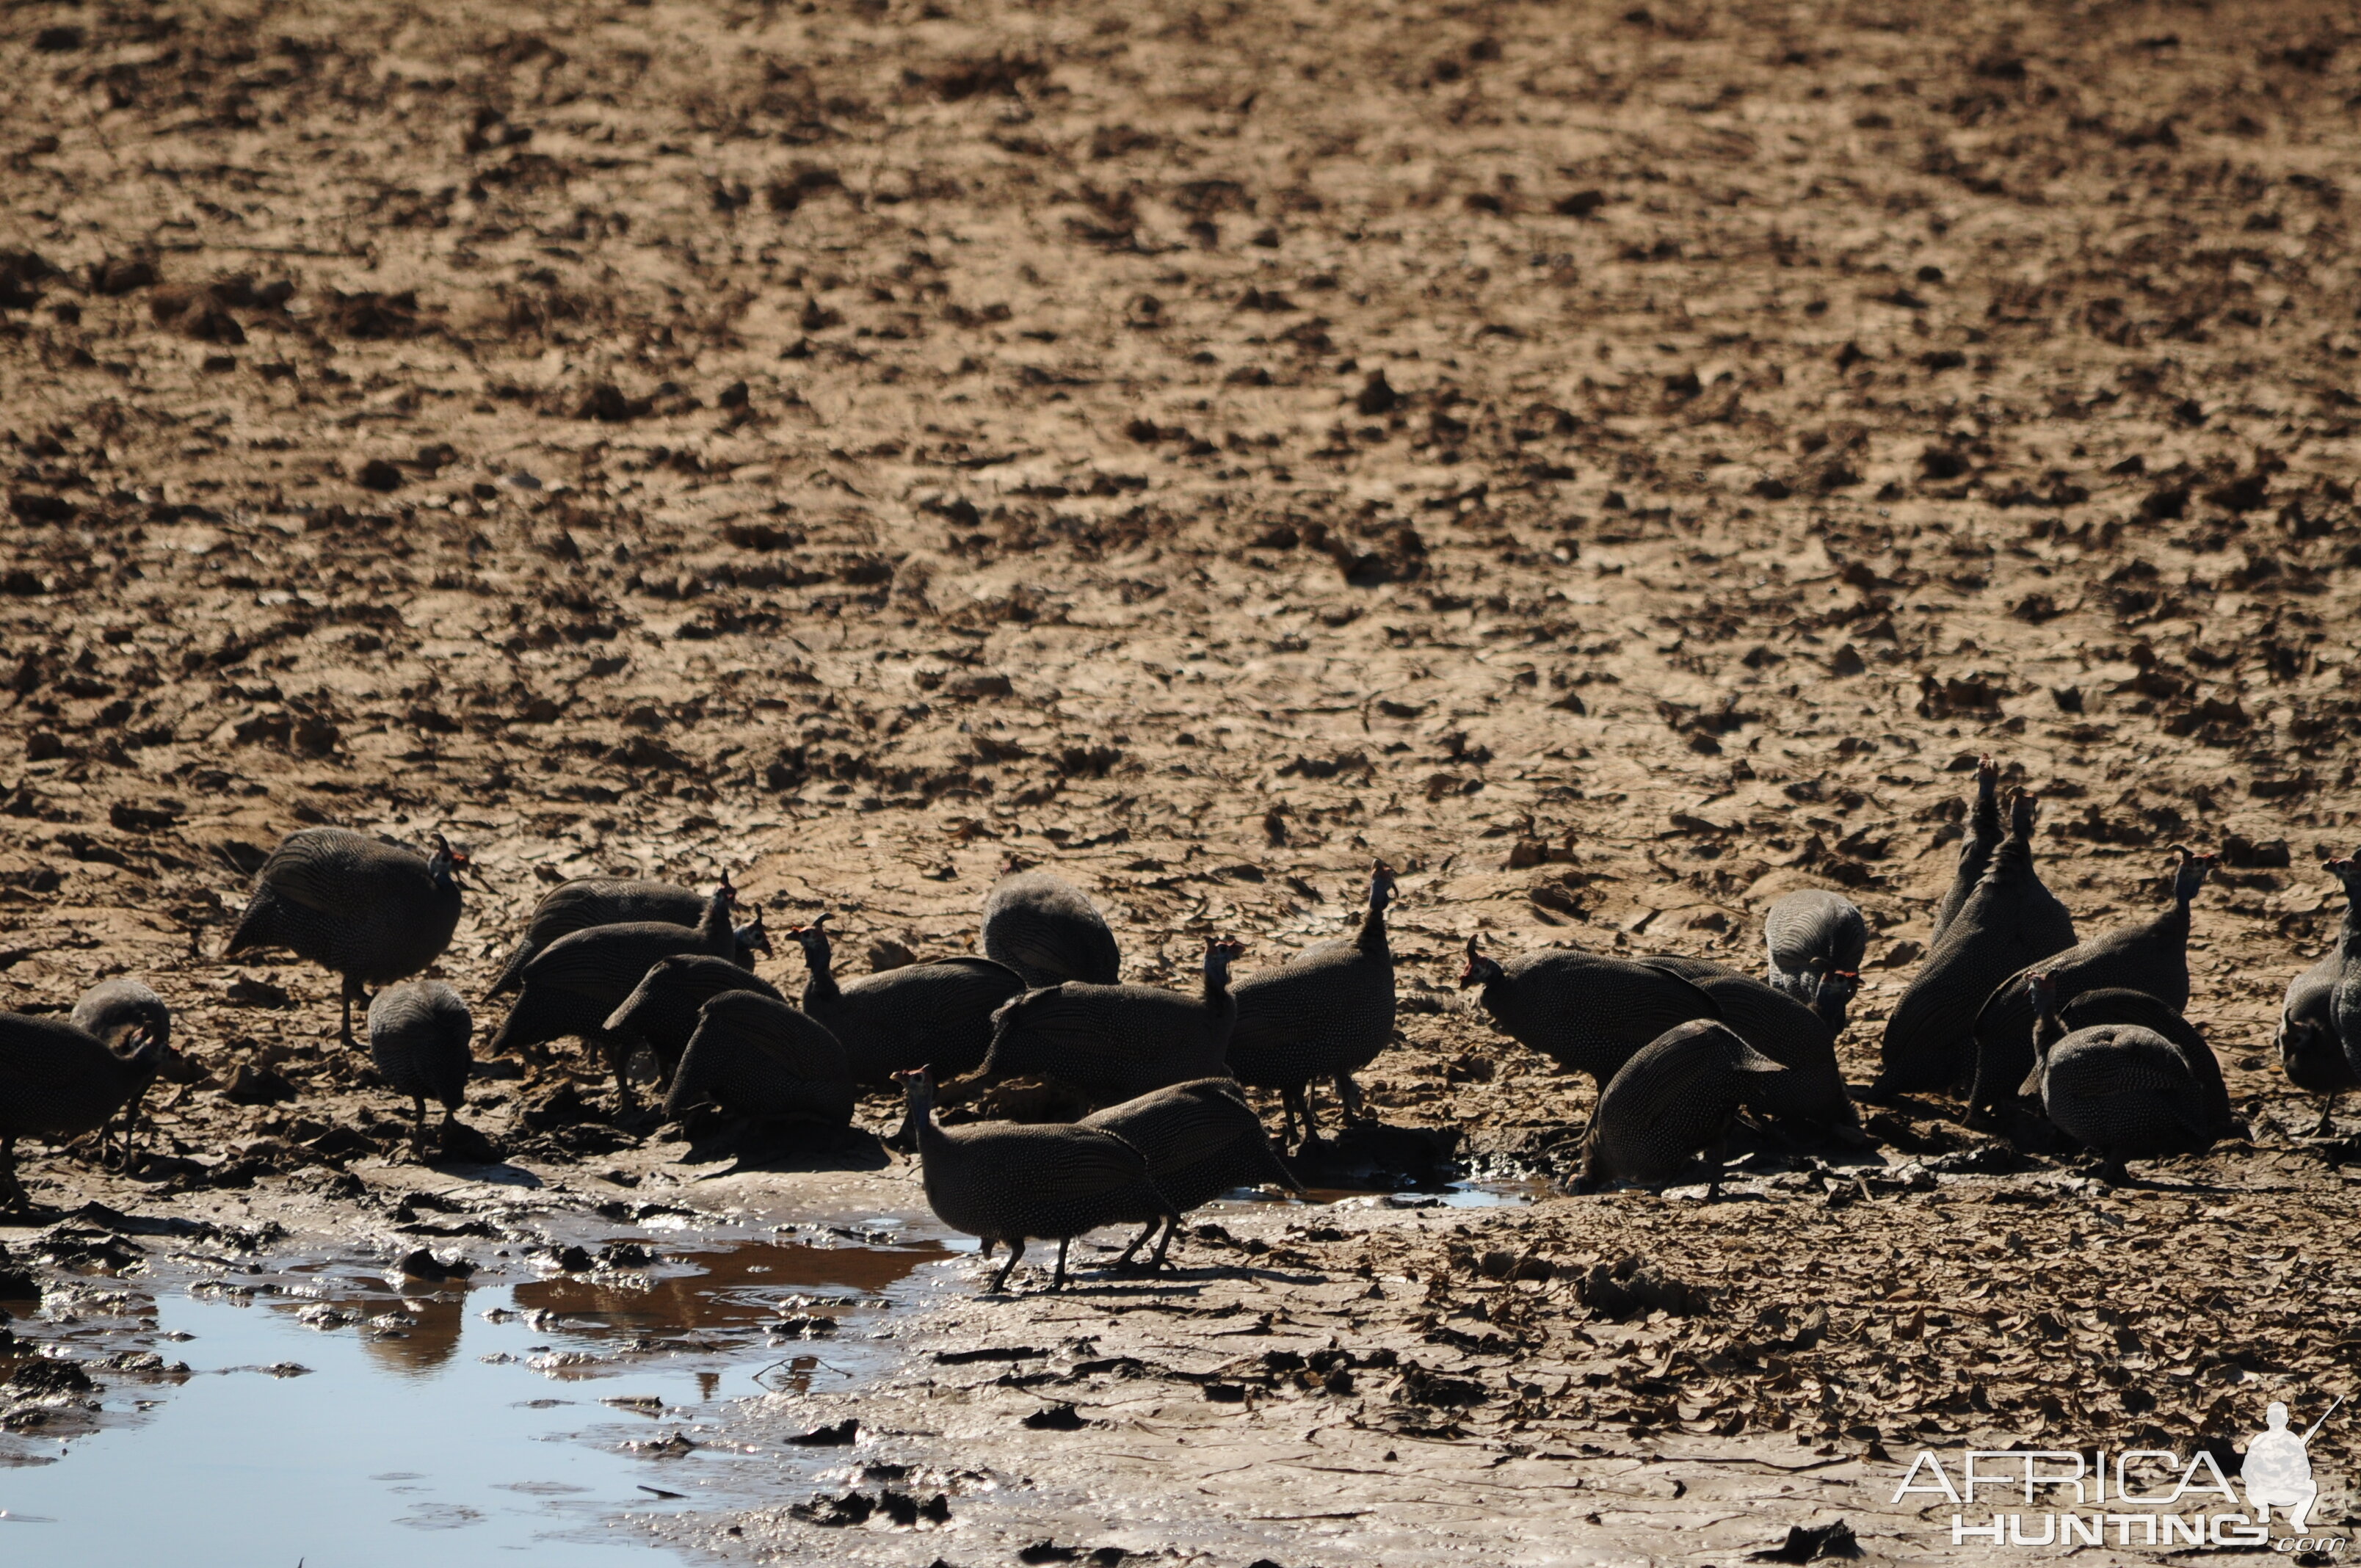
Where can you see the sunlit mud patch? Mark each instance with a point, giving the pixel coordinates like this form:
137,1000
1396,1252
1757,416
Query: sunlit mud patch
203,1410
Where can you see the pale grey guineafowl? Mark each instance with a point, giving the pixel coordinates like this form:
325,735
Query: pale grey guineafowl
1201,1140
1048,931
2009,920
2152,956
370,911
936,1013
117,1011
1586,1012
1011,1182
2125,1091
585,901
2319,1058
1110,1042
757,1058
574,985
1983,842
60,1082
418,1035
1325,1012
1811,932
1675,1097
662,1011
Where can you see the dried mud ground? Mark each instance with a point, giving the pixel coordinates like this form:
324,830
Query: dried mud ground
1619,462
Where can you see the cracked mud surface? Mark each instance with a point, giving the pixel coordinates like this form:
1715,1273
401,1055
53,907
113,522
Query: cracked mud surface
1618,464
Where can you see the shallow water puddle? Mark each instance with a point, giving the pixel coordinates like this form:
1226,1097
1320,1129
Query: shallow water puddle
337,1416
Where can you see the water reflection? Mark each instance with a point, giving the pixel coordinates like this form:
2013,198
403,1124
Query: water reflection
737,1289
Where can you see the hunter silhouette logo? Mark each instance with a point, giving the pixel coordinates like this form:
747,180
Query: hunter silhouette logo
2133,1494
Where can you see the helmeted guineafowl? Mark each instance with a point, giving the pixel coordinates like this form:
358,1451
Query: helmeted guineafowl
755,1056
574,985
660,1012
1200,1139
585,901
58,1081
1048,930
2010,920
1011,1182
115,1010
1811,932
1586,1012
2091,1009
418,1035
1983,842
1110,1042
1675,1097
2152,956
1801,1038
2319,1059
936,1012
371,912
1325,1012
2125,1091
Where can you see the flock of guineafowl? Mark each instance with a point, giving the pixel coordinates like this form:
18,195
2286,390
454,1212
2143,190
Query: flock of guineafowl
2060,1041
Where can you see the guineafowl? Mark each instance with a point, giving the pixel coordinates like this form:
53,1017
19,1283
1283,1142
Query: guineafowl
1323,1014
117,1010
1111,1043
1005,1182
58,1081
1675,1097
2009,921
1801,1038
661,1012
1048,930
1201,1140
574,985
2318,1057
1983,841
2125,1091
2152,956
418,1034
371,912
1809,933
755,1056
585,901
936,1013
2090,1009
1586,1012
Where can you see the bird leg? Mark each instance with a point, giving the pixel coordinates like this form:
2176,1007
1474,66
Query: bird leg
353,992
2112,1171
1016,1251
1058,1281
2327,1127
13,1195
1298,1103
1125,1261
1348,1096
1172,1229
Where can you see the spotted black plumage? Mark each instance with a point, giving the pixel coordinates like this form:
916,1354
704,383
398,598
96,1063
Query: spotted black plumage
371,912
661,1012
755,1056
1109,1042
1976,851
1325,1012
585,901
1586,1012
2121,1089
1200,1139
1800,1038
119,1011
58,1083
1048,930
934,1015
1011,1182
2322,1054
1675,1097
1811,932
418,1035
2008,921
2152,956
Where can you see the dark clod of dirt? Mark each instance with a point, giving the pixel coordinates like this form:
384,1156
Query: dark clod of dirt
44,1375
1807,1545
424,1265
1056,1417
1629,1288
837,1436
252,1085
